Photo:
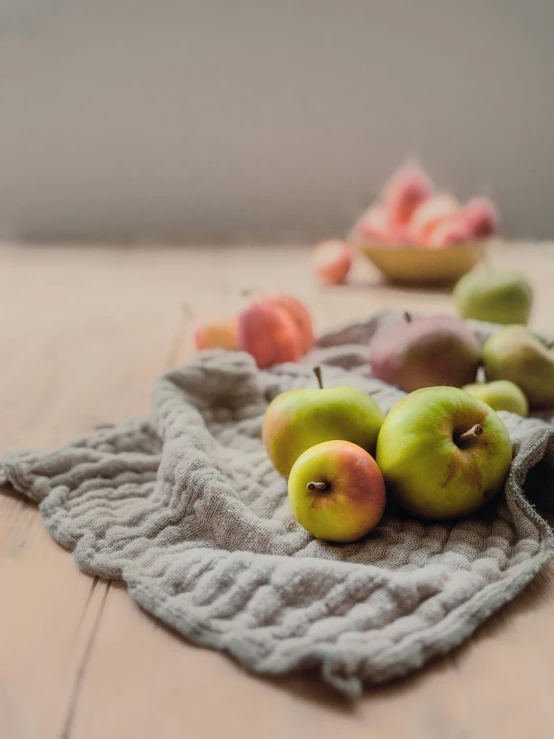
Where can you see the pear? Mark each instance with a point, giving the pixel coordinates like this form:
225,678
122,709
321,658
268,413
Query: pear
420,352
299,419
500,395
517,354
495,295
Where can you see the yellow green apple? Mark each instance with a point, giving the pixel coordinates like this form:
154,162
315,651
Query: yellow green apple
515,353
494,294
443,453
298,419
501,395
336,491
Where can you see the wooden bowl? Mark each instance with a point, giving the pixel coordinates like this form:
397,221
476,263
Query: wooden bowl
412,265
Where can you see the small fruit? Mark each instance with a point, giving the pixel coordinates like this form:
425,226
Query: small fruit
221,334
419,352
300,315
514,353
443,453
405,191
496,295
451,231
429,214
336,491
481,218
299,419
332,261
269,334
500,395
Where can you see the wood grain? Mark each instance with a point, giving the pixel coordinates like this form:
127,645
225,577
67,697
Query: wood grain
83,331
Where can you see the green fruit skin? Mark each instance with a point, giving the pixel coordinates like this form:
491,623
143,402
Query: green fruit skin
354,501
514,353
299,419
495,295
425,471
501,395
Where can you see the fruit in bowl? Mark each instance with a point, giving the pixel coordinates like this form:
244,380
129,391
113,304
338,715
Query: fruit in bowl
416,235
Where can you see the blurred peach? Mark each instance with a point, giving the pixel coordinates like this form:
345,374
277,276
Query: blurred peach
373,224
481,218
219,334
448,232
269,334
405,191
300,315
332,261
429,214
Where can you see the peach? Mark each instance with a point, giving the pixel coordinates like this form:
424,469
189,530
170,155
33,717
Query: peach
332,261
405,191
450,231
373,224
481,218
299,314
219,334
269,334
427,216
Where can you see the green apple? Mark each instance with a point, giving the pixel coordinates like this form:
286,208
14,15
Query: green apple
501,395
443,453
298,419
337,491
495,295
515,353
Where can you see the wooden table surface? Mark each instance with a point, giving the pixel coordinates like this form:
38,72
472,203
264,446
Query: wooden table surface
83,332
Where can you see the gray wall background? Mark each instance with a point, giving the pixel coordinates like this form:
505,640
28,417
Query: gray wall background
207,120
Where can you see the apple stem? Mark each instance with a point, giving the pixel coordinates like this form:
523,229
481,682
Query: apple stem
476,430
317,486
317,373
407,317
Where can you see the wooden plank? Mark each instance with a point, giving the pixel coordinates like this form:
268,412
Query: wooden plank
70,359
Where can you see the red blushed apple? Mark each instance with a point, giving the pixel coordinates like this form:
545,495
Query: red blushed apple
300,315
269,334
336,491
420,352
332,261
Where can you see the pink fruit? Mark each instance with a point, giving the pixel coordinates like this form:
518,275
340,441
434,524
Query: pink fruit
332,261
405,191
450,231
374,223
481,218
429,214
269,334
221,334
300,315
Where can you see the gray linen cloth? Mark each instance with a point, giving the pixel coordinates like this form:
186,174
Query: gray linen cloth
185,507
